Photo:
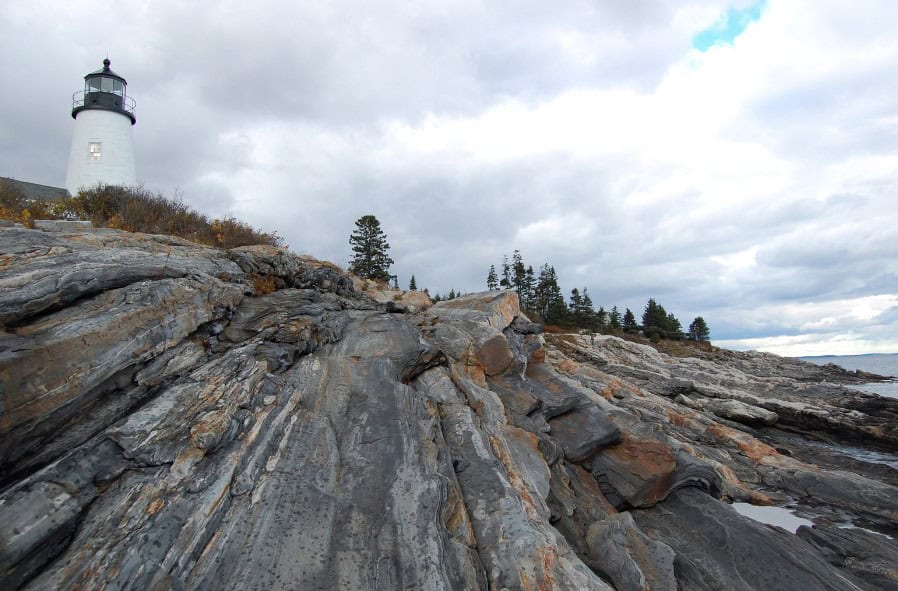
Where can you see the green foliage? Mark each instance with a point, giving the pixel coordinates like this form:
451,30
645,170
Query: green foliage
541,299
548,300
615,322
492,280
698,330
582,314
412,286
369,246
505,282
657,321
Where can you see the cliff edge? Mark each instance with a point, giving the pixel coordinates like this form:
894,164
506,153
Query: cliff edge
180,417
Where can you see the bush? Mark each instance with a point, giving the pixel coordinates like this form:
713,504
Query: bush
136,210
14,206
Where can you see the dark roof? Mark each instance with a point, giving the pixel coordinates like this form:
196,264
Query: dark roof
36,191
105,71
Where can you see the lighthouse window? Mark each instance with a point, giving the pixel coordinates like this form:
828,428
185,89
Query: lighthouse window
95,150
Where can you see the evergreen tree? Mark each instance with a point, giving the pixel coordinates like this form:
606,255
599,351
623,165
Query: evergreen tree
369,246
529,288
412,286
615,322
601,319
395,281
576,301
698,330
588,312
505,282
518,273
582,314
549,301
672,327
654,316
657,322
492,280
451,295
630,321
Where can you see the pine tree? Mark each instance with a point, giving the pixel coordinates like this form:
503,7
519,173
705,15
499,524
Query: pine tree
549,301
672,327
630,321
395,281
588,312
518,273
492,280
505,282
529,288
655,323
412,286
369,245
576,301
614,319
698,330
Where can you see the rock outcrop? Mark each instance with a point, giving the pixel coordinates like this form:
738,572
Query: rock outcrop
179,417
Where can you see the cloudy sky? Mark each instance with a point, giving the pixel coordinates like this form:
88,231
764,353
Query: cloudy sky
733,159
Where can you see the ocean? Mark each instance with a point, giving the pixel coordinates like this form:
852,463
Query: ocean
882,364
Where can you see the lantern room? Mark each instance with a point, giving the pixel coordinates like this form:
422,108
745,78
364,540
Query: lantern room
105,90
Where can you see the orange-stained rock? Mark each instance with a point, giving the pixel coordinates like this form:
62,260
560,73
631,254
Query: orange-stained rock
640,469
494,355
382,293
501,306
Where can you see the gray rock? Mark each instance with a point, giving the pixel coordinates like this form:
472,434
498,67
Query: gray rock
871,557
719,549
52,270
629,558
166,425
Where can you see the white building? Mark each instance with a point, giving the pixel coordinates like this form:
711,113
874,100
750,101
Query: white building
102,149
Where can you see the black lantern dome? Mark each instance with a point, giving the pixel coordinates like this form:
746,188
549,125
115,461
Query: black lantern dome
105,90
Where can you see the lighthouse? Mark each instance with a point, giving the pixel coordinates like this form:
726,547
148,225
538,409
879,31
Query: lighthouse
102,150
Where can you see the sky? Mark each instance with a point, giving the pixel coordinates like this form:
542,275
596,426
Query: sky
736,160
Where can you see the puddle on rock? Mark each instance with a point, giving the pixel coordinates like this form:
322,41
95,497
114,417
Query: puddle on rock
779,516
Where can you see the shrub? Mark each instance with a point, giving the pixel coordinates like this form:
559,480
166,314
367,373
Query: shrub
264,284
14,206
136,210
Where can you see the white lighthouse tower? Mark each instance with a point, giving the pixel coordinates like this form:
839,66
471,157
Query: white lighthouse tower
102,149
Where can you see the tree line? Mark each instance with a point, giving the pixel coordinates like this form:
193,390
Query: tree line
542,299
539,293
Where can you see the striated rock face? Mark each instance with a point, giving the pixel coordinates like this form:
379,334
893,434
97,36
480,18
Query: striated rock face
167,421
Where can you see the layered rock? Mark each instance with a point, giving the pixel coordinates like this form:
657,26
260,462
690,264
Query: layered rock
181,417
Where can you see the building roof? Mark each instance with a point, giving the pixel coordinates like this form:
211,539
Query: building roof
36,191
105,71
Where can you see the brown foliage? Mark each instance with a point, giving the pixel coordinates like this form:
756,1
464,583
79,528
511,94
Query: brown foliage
264,284
135,210
14,206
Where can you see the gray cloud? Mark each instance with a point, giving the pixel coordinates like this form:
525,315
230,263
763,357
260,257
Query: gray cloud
736,192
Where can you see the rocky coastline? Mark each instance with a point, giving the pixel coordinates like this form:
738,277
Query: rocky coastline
180,417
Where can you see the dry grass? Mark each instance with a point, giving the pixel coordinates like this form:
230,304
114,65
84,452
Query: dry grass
134,210
264,284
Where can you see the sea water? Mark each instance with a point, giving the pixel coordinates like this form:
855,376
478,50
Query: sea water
882,364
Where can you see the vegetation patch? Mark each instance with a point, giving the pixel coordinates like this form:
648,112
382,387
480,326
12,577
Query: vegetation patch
134,210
